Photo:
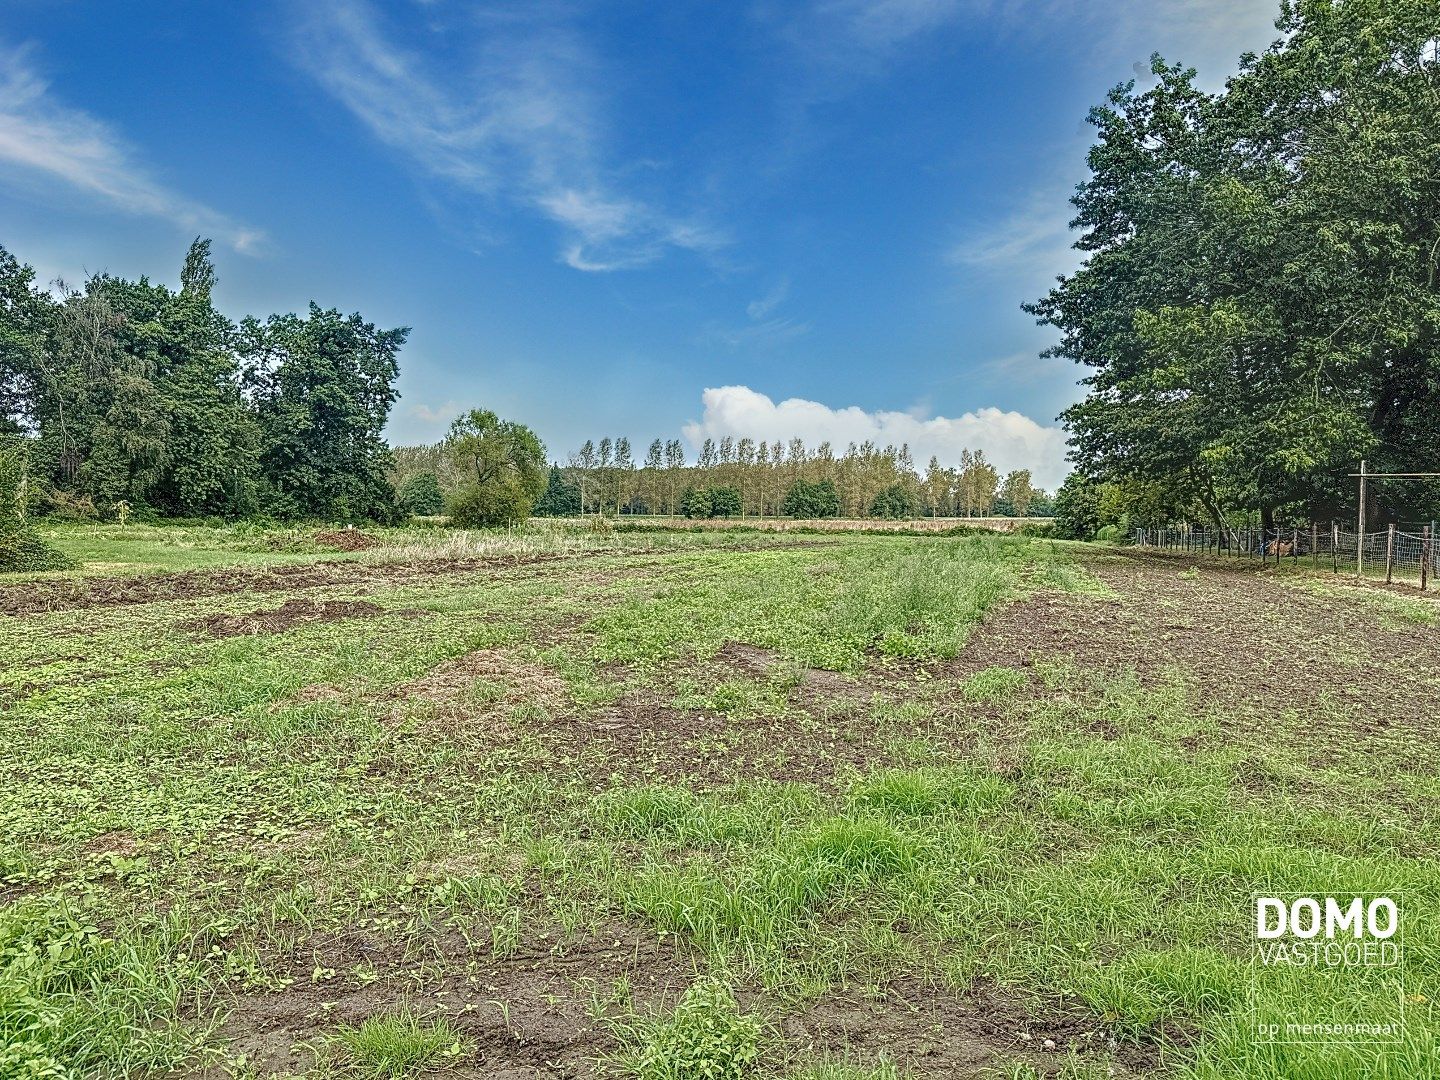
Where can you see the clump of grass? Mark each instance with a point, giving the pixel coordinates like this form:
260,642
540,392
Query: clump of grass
399,1044
706,1038
993,684
918,792
643,810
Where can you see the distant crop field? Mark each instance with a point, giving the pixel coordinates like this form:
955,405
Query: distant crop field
568,803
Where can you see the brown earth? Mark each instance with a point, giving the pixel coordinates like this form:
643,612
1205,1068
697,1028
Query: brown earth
1233,633
527,1013
289,614
346,540
69,594
544,1010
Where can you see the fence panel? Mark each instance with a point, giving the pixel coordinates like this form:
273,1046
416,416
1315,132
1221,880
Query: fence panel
1391,554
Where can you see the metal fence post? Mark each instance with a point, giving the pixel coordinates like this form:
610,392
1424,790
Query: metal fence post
1425,543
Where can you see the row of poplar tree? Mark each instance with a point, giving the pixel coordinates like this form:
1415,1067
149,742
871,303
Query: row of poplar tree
128,393
763,474
743,478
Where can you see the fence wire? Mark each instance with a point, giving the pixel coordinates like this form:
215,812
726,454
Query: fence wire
1392,554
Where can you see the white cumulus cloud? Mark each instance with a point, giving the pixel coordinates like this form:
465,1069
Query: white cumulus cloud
1010,440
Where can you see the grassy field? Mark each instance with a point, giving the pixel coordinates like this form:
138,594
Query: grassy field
669,806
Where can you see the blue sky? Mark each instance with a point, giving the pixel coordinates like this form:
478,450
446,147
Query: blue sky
650,219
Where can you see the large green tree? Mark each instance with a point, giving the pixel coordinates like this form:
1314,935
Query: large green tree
27,317
1259,304
322,385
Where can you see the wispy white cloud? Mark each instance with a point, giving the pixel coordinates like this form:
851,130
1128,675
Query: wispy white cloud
1209,34
439,414
43,141
765,328
762,334
518,120
764,305
1032,241
1011,440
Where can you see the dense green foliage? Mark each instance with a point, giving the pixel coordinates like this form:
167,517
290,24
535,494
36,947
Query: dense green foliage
420,494
21,549
501,465
560,497
811,500
1260,301
710,502
895,502
139,394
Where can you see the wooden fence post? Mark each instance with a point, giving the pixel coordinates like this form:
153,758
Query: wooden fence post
1314,545
1389,552
1425,550
1335,547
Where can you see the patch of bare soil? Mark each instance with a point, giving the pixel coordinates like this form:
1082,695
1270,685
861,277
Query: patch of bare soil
1236,634
346,540
33,598
289,614
930,1032
527,1014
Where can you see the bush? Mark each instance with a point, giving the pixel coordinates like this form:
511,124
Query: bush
710,502
695,503
1109,532
807,500
22,552
21,549
420,495
724,502
476,507
894,502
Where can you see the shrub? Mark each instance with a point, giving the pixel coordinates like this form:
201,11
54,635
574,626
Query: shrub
710,502
21,549
894,502
420,495
695,503
23,552
724,502
807,500
477,507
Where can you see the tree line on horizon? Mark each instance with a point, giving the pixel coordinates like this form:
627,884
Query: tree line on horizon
746,477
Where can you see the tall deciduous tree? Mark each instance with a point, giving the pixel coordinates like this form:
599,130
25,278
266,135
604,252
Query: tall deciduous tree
1260,302
322,385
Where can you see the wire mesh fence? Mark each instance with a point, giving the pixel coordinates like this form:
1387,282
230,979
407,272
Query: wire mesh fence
1410,554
